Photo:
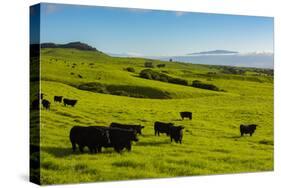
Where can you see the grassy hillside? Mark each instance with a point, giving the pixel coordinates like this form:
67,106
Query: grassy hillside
211,142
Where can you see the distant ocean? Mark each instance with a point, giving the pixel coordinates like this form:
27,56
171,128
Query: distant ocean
263,60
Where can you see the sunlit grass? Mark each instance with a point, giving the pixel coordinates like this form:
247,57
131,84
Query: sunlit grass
211,142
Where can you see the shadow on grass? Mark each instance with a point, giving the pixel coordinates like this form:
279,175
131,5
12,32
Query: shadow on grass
177,119
153,143
59,152
64,152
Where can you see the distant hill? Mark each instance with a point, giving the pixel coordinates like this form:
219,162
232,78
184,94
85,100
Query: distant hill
214,52
258,60
75,45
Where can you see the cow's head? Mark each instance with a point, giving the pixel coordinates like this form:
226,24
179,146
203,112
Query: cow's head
181,127
254,126
139,128
134,136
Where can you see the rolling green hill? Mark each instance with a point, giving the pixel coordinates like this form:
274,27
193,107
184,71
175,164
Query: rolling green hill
107,92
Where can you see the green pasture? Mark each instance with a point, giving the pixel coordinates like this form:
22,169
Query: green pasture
211,141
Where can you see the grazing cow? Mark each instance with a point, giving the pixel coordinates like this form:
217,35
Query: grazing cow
247,129
91,137
161,65
58,99
70,102
35,104
160,127
137,128
46,104
119,138
176,133
186,114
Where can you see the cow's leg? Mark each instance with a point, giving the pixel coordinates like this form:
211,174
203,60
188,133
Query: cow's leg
95,149
251,134
155,132
180,141
73,146
117,149
171,139
81,148
91,149
129,147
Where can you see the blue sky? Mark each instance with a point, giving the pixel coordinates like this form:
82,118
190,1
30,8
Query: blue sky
152,32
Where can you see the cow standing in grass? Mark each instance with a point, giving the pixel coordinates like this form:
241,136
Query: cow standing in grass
58,99
186,115
90,137
46,104
35,104
137,128
247,129
161,127
70,102
176,133
119,138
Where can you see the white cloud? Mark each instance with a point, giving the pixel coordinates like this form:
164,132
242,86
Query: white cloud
134,54
257,53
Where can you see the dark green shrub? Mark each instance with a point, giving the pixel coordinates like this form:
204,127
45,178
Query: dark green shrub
233,70
148,64
153,75
161,65
120,93
199,84
130,69
146,73
178,81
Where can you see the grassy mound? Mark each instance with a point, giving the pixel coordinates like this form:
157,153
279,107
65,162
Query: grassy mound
126,90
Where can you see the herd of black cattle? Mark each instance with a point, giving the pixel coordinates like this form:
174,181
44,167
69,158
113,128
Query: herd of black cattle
117,135
47,104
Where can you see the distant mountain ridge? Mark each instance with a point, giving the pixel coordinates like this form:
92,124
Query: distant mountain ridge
214,52
75,45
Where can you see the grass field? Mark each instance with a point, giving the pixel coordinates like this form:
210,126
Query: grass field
211,141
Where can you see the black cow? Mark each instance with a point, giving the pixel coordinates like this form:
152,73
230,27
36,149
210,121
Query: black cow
70,102
176,133
58,99
119,138
160,127
91,137
35,104
247,129
186,114
46,104
137,128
